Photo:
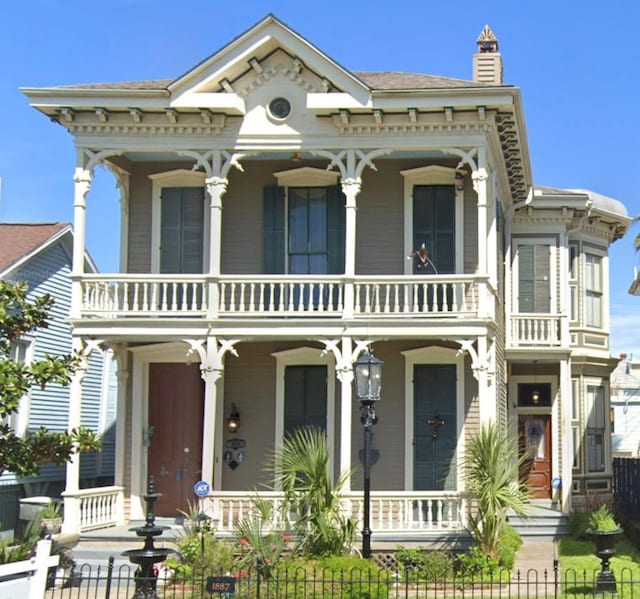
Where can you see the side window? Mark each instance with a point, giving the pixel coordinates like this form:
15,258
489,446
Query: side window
595,413
593,290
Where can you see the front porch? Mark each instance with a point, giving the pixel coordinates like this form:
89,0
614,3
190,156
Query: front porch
395,515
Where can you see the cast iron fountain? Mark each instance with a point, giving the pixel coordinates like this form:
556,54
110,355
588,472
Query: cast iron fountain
146,578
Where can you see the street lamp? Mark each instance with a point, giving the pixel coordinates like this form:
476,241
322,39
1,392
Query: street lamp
368,377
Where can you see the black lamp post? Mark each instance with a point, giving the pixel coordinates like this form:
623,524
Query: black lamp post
368,375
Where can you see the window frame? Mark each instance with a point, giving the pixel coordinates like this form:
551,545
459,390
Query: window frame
553,275
590,293
176,178
432,175
589,431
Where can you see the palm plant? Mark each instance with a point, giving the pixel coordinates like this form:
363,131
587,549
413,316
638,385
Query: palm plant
301,468
491,471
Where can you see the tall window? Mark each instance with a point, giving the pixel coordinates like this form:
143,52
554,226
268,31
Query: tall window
182,230
573,281
434,224
593,290
595,428
21,354
534,278
303,230
308,239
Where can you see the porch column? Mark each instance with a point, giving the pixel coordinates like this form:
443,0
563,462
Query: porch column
486,400
211,370
71,521
351,188
216,187
479,178
344,372
122,376
82,185
566,434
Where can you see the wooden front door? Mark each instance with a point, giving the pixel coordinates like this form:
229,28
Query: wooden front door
176,410
534,433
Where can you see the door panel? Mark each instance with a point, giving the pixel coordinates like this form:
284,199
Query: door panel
176,410
534,433
434,428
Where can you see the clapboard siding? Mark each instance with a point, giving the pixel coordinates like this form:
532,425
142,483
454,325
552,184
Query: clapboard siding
48,272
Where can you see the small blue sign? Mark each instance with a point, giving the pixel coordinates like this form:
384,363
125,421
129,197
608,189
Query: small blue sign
201,488
556,483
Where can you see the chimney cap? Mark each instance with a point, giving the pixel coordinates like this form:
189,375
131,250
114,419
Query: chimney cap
487,41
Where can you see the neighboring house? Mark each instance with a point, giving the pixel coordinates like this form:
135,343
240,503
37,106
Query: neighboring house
625,408
269,201
40,255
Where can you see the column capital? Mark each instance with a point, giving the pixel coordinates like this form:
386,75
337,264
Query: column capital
82,179
351,187
479,178
210,374
216,188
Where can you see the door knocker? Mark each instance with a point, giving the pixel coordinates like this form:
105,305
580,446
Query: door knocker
436,422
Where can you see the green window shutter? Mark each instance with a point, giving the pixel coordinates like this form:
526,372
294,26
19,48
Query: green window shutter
181,230
273,230
434,224
534,278
305,397
335,229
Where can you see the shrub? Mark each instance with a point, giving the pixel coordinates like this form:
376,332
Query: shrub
426,565
577,525
508,545
198,554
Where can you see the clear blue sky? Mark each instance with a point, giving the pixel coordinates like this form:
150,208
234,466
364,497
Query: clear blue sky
577,63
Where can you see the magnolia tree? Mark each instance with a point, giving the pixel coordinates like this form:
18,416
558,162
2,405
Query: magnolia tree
23,455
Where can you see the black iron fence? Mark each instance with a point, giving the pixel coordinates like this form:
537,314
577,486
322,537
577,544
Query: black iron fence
302,583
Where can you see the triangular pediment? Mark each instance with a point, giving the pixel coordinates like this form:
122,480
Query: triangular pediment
268,50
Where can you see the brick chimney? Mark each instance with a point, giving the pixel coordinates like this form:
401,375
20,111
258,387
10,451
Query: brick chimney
487,61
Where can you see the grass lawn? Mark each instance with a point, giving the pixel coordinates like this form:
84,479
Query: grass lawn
579,567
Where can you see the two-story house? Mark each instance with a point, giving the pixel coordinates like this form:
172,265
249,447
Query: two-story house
273,207
39,254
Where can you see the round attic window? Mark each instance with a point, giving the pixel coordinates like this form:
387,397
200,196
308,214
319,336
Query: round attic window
279,108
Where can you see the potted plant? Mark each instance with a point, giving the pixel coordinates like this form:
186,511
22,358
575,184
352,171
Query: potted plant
51,517
604,530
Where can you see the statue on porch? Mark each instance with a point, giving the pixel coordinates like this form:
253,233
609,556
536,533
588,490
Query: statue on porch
422,264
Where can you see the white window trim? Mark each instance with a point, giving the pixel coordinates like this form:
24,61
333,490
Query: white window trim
604,284
553,275
431,175
306,356
431,355
596,382
175,178
19,420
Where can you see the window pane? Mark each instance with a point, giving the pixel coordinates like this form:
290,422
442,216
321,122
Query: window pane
298,220
317,222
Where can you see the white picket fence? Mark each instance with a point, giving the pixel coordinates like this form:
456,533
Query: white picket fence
27,579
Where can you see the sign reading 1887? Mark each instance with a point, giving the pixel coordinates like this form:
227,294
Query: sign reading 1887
221,585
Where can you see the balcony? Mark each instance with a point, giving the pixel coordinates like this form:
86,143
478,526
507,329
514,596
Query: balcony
281,296
535,331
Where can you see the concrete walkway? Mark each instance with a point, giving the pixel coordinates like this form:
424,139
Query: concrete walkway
534,568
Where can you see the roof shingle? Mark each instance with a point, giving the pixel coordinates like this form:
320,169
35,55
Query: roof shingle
20,239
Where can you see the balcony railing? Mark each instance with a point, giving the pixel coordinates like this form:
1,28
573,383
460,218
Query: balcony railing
535,330
308,296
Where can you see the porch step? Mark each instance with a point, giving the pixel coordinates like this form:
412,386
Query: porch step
544,523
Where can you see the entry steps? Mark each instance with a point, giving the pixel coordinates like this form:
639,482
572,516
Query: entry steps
545,521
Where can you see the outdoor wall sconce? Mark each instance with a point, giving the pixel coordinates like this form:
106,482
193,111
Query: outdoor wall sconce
458,179
233,422
436,422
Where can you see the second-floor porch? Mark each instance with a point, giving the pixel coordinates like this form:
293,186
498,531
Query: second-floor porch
285,298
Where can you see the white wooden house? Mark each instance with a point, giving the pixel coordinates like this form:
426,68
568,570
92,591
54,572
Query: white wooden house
39,254
269,199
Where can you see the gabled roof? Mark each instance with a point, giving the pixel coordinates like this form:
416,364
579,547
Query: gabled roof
21,241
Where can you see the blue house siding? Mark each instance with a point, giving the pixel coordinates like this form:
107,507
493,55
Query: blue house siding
48,272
